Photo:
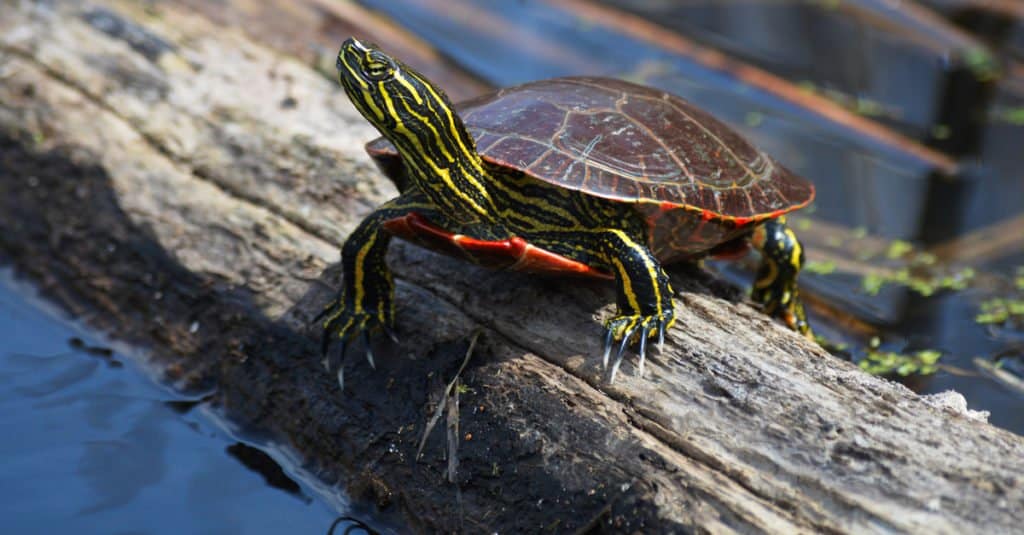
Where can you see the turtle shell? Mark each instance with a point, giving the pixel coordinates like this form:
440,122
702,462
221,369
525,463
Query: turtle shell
630,143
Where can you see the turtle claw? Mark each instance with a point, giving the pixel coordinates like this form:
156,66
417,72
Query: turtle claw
369,350
626,329
661,337
391,334
643,349
609,337
343,322
621,353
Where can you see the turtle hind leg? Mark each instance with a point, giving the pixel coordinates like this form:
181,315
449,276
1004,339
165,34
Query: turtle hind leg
775,287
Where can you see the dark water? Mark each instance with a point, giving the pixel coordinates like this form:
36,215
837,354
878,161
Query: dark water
92,445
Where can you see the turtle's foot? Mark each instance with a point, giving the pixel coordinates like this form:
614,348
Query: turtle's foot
634,328
344,321
775,287
782,300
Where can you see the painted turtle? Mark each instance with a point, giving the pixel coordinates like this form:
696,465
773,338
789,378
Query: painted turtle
591,176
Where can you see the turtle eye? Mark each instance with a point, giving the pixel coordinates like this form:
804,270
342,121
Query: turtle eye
378,67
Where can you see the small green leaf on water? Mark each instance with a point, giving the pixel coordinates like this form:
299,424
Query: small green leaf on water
1014,116
859,232
869,108
821,268
802,224
897,249
924,362
829,345
754,118
874,342
872,283
941,131
981,63
998,310
1020,278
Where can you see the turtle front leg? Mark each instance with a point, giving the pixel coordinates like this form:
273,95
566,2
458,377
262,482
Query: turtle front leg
775,287
365,302
644,296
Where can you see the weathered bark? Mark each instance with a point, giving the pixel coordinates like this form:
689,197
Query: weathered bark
182,187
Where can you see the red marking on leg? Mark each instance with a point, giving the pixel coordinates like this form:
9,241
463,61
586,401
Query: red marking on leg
513,253
533,258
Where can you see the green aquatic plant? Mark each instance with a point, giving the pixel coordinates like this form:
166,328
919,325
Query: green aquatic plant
1010,115
897,249
820,267
941,131
754,119
999,310
830,345
919,281
923,362
982,64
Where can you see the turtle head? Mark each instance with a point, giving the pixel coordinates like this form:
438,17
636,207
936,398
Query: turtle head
368,75
406,107
419,120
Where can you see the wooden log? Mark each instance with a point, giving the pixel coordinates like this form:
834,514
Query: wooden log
311,31
181,187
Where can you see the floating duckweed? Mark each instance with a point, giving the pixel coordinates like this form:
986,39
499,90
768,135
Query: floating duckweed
998,310
941,131
802,224
1020,278
829,345
754,119
925,285
869,108
981,63
820,268
1014,116
872,283
859,232
898,248
924,362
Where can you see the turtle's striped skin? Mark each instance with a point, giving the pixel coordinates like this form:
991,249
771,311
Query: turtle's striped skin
589,176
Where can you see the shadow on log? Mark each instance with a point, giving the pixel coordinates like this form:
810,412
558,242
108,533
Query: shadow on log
74,239
175,202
